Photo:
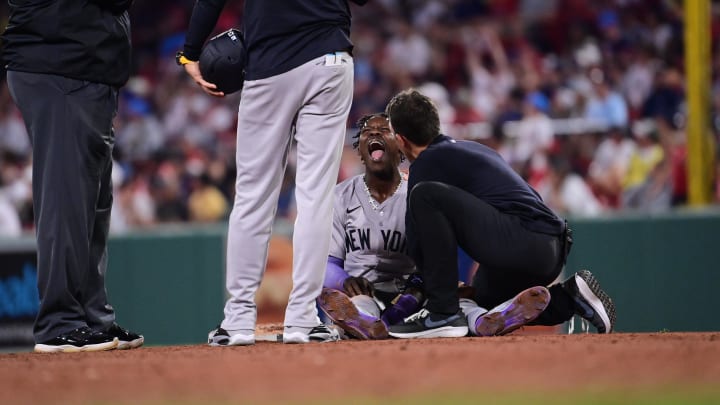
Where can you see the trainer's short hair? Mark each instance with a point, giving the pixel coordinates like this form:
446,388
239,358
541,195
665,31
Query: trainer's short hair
414,116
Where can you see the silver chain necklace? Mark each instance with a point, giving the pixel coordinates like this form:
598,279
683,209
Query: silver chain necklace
372,201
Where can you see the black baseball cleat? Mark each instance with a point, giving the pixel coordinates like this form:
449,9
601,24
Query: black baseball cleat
591,302
425,324
82,339
218,337
126,339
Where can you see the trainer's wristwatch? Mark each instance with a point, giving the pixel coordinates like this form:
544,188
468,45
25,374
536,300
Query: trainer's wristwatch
180,59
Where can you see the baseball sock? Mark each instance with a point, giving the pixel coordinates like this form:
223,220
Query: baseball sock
366,305
472,311
405,306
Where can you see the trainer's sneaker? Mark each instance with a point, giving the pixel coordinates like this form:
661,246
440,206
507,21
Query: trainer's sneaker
82,339
341,310
425,324
221,337
513,313
320,334
592,303
126,339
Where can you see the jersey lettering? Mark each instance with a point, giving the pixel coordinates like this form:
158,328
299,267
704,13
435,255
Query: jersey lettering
364,235
350,241
393,241
355,236
372,245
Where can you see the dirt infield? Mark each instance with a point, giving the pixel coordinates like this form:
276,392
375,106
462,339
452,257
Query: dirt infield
277,373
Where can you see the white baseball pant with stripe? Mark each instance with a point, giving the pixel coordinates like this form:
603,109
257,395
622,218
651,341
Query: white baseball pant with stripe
311,102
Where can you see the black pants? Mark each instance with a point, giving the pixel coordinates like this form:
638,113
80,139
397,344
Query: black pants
70,127
511,257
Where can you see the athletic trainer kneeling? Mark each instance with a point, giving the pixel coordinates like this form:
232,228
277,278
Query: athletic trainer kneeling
464,194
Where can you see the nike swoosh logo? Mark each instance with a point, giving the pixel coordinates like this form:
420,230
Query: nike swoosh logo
436,324
351,210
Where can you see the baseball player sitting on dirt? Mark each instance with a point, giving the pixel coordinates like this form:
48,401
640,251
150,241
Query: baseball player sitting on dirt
368,267
370,281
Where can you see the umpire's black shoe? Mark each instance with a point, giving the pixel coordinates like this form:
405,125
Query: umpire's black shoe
425,324
126,339
591,302
82,339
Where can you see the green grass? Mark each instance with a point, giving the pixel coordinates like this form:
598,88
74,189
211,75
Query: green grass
701,395
607,397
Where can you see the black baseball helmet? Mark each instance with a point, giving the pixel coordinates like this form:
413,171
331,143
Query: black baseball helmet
222,61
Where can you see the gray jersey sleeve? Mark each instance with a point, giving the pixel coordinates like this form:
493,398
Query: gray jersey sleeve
371,240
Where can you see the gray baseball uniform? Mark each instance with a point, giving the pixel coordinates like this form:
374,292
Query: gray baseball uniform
371,241
316,98
298,84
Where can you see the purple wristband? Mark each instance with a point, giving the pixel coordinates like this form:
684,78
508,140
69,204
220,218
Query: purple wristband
335,275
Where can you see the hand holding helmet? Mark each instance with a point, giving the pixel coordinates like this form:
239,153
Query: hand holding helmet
221,68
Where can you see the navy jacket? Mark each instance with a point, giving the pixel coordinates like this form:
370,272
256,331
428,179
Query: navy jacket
85,40
279,34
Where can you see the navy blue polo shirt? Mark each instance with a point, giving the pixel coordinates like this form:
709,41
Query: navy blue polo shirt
482,172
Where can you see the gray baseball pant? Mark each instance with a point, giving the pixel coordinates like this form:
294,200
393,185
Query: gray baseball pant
70,127
311,103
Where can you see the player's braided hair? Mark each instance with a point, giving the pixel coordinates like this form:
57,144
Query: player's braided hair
362,122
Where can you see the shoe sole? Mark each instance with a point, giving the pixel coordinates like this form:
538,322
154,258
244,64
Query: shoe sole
234,340
241,340
523,308
338,307
301,338
98,347
599,301
131,344
441,332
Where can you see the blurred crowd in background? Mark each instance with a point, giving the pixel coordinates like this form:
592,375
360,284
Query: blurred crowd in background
585,98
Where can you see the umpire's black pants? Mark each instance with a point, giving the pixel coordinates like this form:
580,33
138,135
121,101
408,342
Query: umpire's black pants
511,257
70,126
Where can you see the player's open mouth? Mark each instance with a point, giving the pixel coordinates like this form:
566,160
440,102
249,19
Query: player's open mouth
376,149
